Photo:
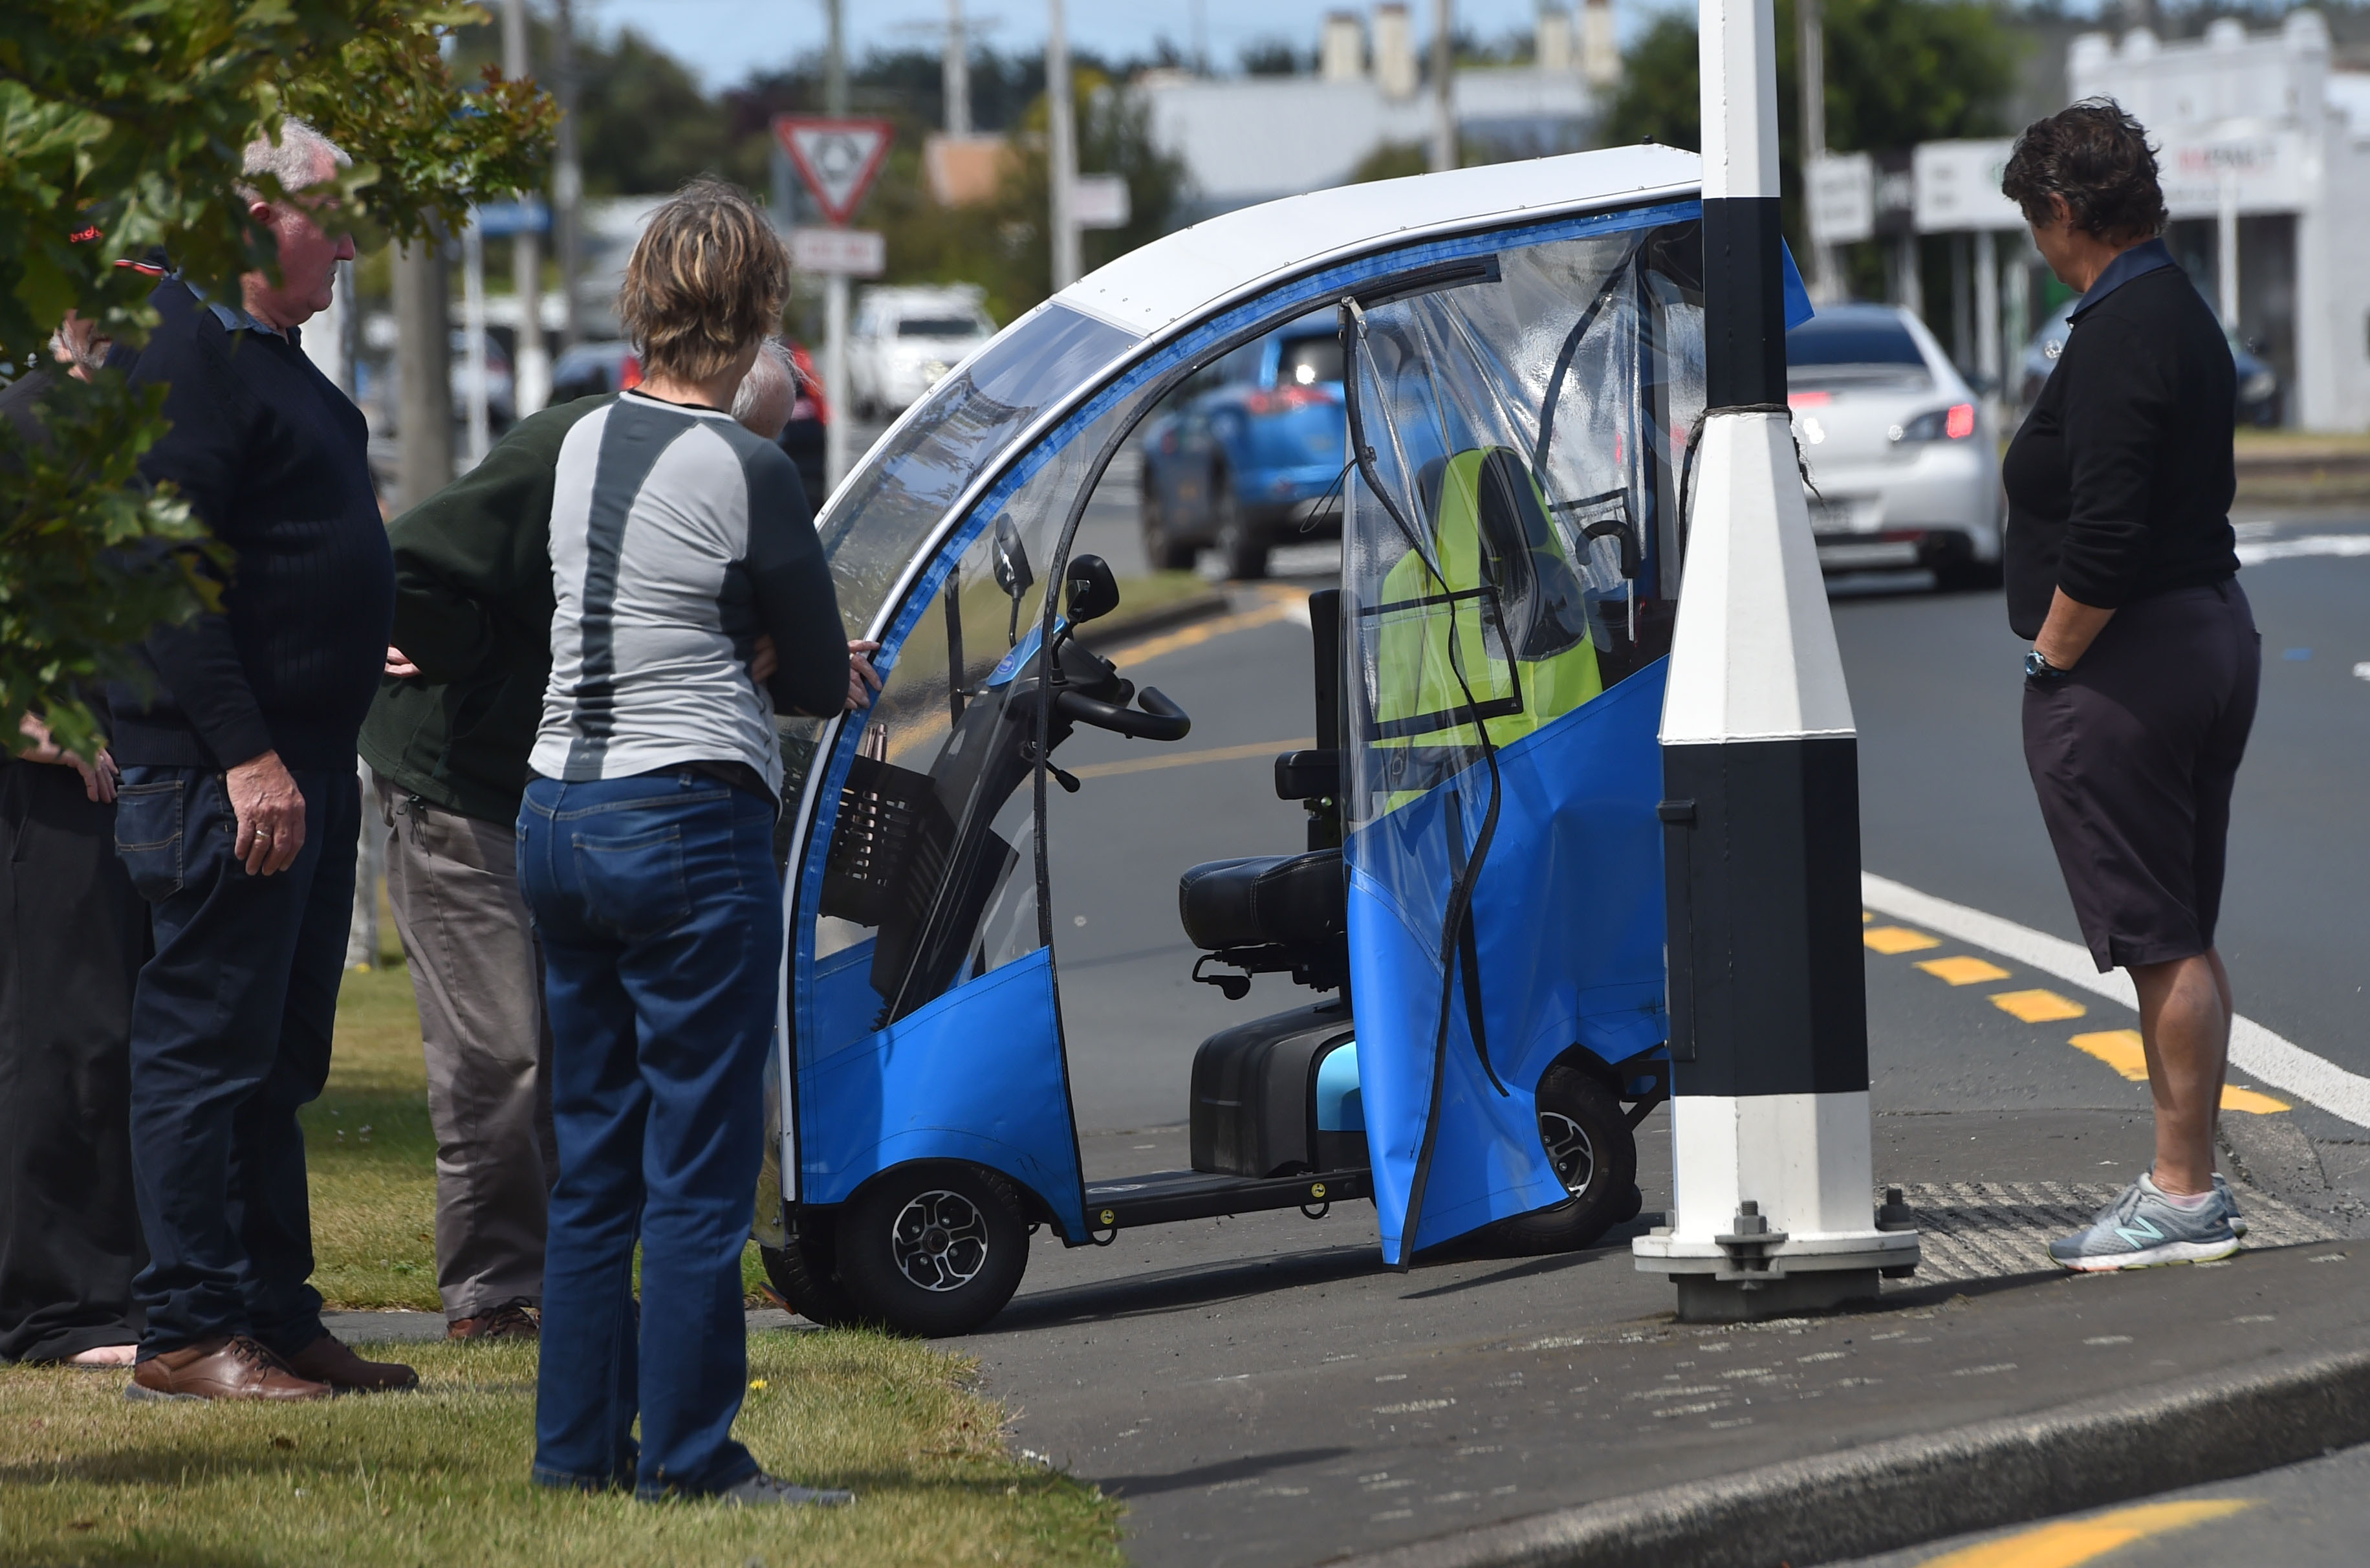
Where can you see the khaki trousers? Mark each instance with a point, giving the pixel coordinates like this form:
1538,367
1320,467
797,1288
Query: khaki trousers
477,973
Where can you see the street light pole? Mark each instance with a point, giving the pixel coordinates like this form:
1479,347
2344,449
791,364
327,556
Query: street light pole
1444,85
954,72
567,181
1811,76
530,366
1061,149
834,288
1770,1109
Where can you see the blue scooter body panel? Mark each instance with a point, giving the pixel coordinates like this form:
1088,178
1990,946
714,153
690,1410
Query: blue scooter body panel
975,1075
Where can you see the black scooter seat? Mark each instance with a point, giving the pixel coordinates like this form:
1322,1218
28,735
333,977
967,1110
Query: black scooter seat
1295,901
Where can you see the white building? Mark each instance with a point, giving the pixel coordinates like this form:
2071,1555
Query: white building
1252,139
2264,152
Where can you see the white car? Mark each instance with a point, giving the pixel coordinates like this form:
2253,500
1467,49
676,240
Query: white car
1902,457
905,340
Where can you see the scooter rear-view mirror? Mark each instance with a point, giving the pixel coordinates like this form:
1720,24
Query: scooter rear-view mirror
1013,573
1090,589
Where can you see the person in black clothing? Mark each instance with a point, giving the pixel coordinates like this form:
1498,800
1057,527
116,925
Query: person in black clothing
238,816
72,937
2140,685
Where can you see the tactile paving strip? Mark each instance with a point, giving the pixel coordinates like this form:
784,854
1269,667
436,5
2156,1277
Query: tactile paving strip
1984,1229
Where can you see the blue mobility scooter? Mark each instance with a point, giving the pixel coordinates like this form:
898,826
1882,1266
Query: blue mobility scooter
1480,905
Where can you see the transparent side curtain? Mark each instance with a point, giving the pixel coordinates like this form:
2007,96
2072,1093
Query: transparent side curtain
1510,542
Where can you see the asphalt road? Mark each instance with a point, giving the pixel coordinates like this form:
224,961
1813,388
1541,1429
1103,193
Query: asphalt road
1966,1087
2309,1516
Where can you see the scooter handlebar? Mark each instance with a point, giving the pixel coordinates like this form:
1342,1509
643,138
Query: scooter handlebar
1160,720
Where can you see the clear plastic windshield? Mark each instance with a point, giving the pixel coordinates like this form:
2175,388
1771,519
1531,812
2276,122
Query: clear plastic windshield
902,490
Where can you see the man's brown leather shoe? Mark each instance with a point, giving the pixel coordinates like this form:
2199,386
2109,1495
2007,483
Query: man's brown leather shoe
511,1319
225,1367
329,1360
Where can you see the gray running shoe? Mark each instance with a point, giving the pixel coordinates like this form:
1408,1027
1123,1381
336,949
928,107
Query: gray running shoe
2229,1205
2141,1229
772,1492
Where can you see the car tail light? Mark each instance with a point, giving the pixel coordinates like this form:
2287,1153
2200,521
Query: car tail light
1286,397
815,405
629,372
1809,400
1954,424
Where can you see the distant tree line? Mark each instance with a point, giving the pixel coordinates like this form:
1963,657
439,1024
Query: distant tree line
1898,73
645,125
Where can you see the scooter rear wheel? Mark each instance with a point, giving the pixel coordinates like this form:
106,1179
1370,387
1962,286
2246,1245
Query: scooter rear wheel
1588,1142
803,1273
933,1249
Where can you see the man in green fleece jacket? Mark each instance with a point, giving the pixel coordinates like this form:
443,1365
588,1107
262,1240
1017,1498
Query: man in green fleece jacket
448,739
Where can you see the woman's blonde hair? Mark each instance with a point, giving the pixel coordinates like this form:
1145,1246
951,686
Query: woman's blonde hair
707,280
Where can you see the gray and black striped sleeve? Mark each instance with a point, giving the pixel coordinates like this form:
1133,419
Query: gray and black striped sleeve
790,588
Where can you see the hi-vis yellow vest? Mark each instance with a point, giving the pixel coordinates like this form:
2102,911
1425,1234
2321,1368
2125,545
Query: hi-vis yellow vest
1516,605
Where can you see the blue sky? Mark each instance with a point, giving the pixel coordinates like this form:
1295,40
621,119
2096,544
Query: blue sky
725,40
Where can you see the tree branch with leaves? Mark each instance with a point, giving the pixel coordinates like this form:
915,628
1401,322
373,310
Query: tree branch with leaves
123,127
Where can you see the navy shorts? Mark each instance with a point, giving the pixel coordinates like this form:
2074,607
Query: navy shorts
2134,755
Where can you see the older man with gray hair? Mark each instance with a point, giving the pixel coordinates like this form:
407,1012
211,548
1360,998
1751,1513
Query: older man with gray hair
238,810
768,393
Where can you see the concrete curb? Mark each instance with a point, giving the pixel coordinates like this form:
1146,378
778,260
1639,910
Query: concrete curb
1910,1490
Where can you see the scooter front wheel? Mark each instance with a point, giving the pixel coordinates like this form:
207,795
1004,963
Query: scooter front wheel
933,1249
803,1273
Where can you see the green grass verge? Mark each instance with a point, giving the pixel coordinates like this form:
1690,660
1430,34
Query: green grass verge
439,1476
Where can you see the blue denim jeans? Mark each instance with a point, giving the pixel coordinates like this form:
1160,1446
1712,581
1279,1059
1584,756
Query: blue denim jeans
230,1036
661,915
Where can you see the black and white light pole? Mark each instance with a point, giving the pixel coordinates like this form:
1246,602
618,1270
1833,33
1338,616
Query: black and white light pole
1770,1109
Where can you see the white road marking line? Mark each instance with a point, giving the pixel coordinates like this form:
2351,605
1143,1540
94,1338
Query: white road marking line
2259,551
2261,1055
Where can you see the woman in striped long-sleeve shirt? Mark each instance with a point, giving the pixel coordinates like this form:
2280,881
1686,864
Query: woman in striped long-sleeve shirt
694,603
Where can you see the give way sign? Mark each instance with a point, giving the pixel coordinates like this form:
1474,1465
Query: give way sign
837,158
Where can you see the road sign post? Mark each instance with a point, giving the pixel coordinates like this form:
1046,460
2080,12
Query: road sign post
1772,1207
838,158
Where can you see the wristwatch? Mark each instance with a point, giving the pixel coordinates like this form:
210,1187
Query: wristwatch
2037,667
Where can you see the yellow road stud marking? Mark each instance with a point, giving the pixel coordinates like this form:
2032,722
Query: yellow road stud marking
1964,970
2119,1048
1277,608
1189,759
2037,1006
1866,918
1898,938
2071,1542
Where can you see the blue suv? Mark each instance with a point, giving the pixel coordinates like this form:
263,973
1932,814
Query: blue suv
1248,452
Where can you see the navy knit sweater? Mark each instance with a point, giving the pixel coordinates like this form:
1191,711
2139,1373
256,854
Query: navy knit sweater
2119,483
272,456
